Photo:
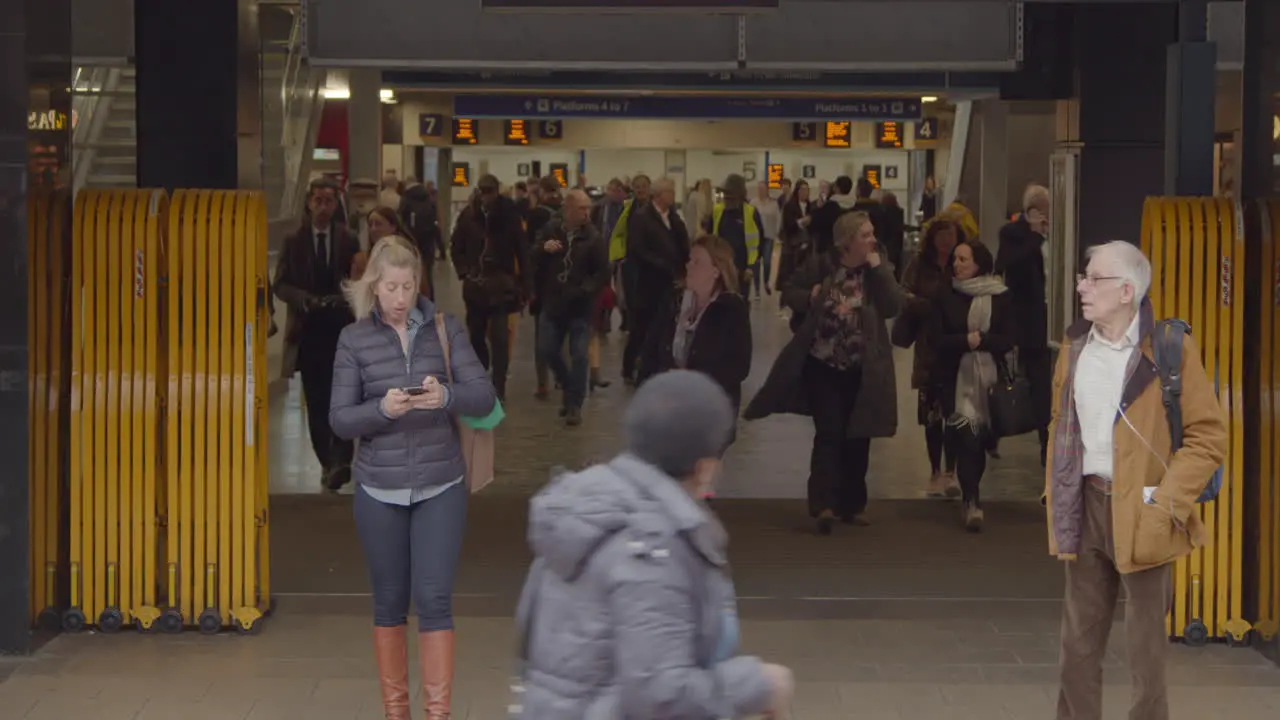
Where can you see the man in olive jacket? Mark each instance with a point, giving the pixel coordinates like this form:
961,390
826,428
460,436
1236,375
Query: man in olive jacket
1121,505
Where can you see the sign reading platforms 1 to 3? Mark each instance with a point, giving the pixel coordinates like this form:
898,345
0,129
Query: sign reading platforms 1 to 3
684,107
629,5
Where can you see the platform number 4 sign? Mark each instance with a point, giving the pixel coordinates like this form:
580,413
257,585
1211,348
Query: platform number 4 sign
927,129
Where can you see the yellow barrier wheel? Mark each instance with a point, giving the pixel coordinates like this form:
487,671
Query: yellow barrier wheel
1239,633
171,621
111,620
1195,634
49,620
209,622
146,619
73,620
248,620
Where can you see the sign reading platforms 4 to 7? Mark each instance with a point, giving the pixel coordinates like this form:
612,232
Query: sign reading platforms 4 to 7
711,107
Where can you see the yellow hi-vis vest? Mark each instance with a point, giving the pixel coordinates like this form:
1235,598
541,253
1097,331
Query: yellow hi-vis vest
618,240
749,227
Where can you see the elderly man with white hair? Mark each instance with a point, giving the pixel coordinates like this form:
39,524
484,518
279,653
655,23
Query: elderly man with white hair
1121,494
1020,259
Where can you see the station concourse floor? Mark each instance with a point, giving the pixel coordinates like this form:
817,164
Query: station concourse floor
911,618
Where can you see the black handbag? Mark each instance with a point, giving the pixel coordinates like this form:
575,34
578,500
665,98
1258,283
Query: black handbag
1009,403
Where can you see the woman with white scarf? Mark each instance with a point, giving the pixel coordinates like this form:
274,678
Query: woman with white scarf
972,335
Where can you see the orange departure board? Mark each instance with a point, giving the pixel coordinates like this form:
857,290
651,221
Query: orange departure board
889,135
515,132
462,174
465,131
872,174
560,171
776,172
838,134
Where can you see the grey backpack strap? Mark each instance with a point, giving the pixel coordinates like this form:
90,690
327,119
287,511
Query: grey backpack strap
1167,347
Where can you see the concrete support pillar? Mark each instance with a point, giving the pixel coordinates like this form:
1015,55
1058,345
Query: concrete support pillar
1190,90
1117,117
199,104
364,125
35,42
993,170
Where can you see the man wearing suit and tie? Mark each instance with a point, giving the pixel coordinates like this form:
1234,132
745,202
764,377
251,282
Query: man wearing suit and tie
313,264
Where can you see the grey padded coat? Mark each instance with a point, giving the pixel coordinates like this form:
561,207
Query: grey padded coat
420,448
623,608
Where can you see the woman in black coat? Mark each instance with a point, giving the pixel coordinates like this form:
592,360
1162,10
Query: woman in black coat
972,331
795,233
703,326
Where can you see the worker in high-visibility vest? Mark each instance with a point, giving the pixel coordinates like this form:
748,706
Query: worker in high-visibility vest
622,276
740,224
618,240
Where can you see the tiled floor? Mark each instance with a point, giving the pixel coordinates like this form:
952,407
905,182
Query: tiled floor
911,618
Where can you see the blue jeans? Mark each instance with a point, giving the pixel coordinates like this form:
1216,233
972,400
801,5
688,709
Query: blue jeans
412,552
764,263
551,337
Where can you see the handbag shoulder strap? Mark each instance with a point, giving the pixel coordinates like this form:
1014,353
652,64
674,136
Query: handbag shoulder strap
443,334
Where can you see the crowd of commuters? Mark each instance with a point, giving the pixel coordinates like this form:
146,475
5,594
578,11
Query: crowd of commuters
628,610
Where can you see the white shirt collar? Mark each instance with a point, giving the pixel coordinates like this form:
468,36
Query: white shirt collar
1129,340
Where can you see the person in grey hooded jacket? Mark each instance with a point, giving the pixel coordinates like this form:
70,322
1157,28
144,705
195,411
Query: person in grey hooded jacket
628,612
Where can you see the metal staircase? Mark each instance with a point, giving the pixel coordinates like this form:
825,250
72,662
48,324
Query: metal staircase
104,108
105,144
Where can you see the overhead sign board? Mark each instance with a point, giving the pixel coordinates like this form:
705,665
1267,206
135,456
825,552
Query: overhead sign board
918,83
629,6
889,135
838,134
465,131
685,107
515,132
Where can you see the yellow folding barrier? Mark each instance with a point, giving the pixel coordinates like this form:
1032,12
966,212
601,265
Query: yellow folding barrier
1196,248
48,242
216,571
113,463
1267,513
166,437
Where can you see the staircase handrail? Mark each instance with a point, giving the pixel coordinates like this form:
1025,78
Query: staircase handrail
92,94
299,95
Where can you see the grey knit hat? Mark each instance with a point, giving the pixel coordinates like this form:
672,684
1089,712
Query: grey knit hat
676,419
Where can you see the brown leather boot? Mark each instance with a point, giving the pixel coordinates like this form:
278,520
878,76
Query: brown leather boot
435,652
391,649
